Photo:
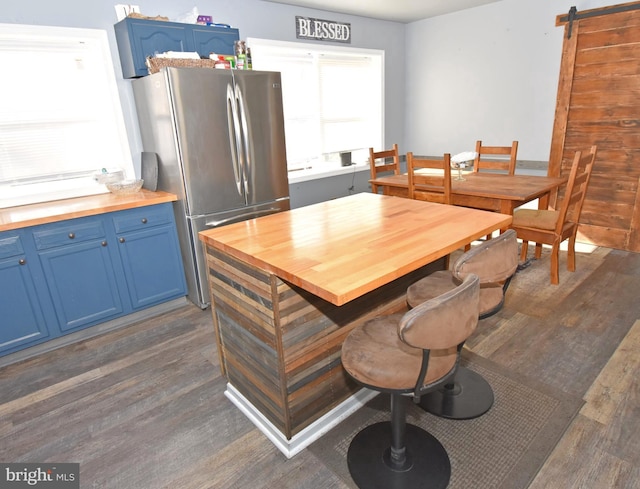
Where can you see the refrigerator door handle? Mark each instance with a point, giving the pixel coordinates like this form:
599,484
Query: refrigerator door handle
246,215
234,137
242,114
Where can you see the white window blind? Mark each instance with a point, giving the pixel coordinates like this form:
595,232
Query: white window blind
332,97
351,104
60,116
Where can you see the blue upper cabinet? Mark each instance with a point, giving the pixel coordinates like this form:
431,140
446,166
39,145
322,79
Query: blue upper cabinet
207,40
139,38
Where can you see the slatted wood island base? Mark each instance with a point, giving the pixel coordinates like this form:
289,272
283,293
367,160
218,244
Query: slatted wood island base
280,345
284,297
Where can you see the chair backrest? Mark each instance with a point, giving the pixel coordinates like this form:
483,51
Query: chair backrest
500,158
443,324
495,262
384,161
445,321
429,179
576,189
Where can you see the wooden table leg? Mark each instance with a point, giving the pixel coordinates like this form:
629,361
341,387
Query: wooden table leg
506,207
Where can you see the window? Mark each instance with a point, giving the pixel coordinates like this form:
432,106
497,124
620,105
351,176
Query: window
332,97
60,115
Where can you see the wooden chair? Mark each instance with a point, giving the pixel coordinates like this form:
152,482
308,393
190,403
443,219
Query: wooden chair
429,179
468,395
379,163
554,226
407,355
496,158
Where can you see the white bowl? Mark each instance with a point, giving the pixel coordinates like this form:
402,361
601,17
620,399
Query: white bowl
125,186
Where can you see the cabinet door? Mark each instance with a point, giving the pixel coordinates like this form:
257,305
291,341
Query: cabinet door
217,40
150,39
82,283
23,321
139,38
152,265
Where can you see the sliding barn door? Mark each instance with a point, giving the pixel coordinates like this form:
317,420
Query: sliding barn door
599,103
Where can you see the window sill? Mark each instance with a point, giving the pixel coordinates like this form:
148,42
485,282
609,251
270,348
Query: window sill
36,193
325,170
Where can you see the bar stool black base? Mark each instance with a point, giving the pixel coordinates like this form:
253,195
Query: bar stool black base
368,460
470,397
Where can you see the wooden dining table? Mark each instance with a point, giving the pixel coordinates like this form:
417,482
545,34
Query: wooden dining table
489,191
287,288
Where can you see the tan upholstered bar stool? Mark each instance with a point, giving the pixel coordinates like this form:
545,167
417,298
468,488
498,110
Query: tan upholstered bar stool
495,262
408,355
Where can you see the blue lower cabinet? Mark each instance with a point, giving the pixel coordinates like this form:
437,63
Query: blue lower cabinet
65,276
23,321
79,271
82,283
148,250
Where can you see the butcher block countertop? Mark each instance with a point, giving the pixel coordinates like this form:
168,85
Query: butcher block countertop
60,210
341,249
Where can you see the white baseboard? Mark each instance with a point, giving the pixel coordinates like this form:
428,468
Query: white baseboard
308,435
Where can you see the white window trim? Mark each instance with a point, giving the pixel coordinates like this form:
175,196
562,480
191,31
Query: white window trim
325,169
11,195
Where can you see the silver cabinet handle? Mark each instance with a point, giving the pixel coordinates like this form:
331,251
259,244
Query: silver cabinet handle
22,261
121,240
72,235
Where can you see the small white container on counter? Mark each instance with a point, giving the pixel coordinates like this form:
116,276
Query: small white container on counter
109,175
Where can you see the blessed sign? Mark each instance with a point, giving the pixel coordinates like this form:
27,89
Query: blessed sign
322,30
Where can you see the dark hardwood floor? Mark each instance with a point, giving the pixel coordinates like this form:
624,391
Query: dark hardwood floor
143,406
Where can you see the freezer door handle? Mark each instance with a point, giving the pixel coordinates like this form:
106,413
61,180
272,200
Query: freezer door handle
234,135
245,216
246,138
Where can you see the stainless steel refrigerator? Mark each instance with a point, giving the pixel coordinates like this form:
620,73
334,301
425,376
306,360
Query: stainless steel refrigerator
219,140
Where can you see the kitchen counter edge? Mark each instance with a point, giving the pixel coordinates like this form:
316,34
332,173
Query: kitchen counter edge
12,218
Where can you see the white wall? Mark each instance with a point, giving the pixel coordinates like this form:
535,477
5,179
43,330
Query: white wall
488,73
254,18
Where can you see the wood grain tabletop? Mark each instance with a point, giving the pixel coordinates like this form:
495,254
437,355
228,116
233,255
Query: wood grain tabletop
344,248
521,188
